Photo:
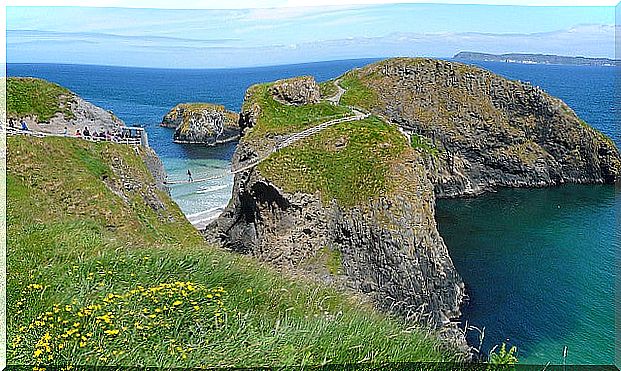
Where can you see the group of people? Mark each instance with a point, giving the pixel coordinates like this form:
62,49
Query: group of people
107,135
22,123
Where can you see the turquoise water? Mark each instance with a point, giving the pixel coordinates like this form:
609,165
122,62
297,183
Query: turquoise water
539,264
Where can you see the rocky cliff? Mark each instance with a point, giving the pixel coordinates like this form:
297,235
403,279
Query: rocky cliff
350,205
202,123
48,107
354,203
485,131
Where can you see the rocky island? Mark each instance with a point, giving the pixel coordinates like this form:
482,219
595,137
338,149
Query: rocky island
203,123
350,198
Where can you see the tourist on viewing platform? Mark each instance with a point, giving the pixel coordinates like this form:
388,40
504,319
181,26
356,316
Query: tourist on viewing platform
65,132
12,122
24,127
86,133
77,133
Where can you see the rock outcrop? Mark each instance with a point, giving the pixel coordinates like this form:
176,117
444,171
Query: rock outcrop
203,123
450,130
71,111
298,90
489,131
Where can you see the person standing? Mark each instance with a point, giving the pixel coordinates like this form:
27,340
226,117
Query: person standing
24,127
65,132
190,176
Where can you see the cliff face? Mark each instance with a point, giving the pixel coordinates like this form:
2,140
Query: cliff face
350,204
388,249
202,123
488,131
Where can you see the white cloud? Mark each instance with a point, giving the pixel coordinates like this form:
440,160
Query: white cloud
249,4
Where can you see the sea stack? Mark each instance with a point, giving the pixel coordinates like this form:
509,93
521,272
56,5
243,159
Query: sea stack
202,123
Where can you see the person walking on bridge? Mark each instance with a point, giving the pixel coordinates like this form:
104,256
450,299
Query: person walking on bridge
190,176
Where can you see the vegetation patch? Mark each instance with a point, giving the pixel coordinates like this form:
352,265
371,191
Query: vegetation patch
280,118
334,260
26,96
94,279
328,89
423,144
357,93
348,162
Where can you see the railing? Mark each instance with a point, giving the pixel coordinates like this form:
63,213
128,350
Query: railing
39,134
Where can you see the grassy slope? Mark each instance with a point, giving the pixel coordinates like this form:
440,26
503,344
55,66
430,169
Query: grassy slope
36,97
278,118
352,174
348,162
327,89
93,279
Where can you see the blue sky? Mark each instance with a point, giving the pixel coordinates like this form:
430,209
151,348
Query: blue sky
248,37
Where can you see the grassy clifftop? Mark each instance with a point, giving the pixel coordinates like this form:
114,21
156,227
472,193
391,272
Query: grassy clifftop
350,162
27,96
104,269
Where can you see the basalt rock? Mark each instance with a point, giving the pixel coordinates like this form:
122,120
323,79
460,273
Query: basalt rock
202,123
489,131
298,90
470,131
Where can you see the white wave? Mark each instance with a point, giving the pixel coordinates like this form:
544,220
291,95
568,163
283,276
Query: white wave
200,213
212,188
200,223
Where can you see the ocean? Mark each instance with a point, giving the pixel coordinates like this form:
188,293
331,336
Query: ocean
539,264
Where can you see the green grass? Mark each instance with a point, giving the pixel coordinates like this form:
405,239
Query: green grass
27,96
279,118
348,162
334,260
423,144
96,278
356,92
328,89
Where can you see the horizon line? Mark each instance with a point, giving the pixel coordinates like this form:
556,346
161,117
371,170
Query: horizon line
303,63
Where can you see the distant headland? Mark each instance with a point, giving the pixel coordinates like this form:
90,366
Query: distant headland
536,59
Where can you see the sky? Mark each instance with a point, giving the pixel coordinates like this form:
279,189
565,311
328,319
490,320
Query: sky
212,38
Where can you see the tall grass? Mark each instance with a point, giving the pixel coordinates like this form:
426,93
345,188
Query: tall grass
97,278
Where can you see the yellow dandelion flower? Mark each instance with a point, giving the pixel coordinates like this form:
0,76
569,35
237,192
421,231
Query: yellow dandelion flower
196,307
111,332
177,303
37,353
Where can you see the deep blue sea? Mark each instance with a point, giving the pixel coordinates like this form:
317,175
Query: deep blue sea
539,264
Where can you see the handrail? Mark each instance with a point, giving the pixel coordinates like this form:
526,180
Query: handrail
40,134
